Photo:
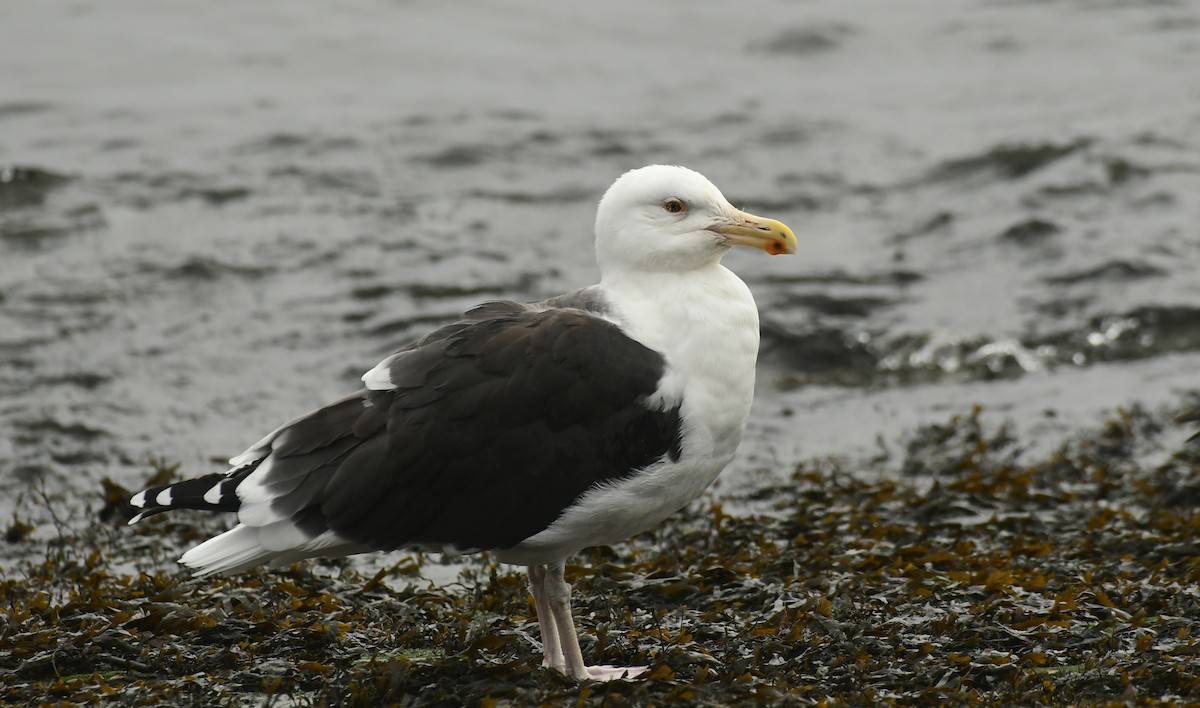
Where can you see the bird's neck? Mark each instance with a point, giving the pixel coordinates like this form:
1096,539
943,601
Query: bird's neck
669,301
706,325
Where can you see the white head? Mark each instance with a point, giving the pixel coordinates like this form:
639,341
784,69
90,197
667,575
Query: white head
665,218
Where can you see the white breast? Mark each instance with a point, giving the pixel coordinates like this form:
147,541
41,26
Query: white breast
706,325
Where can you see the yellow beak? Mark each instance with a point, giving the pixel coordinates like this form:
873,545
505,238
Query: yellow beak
759,232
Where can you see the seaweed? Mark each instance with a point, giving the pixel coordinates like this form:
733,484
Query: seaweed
974,577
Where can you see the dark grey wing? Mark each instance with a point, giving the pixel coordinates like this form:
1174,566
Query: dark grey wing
590,299
478,436
496,428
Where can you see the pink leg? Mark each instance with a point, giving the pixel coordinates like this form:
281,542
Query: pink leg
558,601
552,655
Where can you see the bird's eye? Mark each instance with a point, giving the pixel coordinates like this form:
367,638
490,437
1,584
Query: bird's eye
674,206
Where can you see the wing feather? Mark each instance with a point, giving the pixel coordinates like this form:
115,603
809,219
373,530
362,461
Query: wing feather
478,436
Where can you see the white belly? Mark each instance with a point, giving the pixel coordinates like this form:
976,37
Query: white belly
614,512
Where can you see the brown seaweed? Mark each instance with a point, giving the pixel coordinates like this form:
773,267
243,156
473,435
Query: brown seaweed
975,578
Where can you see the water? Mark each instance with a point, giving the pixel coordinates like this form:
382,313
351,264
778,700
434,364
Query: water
214,217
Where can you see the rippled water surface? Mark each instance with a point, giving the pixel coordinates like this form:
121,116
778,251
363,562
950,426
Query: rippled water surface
216,216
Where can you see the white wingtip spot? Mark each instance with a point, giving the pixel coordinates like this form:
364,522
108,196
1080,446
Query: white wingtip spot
138,500
379,378
136,518
164,497
213,496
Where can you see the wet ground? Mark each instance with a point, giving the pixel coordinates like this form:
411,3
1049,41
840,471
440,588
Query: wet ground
979,575
214,219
